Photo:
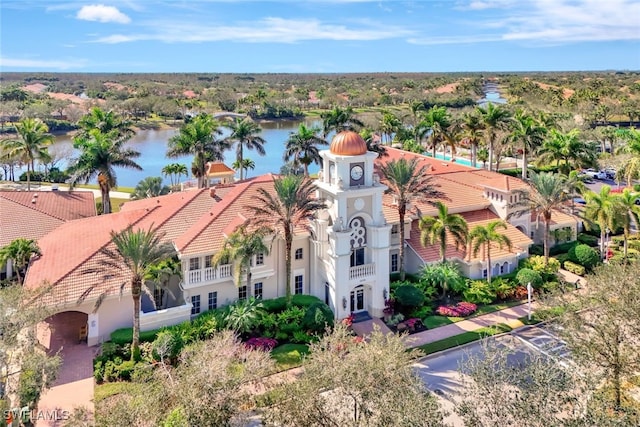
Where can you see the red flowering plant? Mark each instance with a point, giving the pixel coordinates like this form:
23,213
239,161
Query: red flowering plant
413,322
261,343
348,321
389,306
462,309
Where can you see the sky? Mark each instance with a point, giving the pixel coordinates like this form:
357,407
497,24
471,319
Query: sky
319,36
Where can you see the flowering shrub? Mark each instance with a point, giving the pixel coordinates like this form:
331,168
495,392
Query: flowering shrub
413,322
388,306
348,321
261,343
462,309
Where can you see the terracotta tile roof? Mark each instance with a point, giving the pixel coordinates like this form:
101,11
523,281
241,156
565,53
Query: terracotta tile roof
219,169
434,166
73,249
33,214
431,253
557,218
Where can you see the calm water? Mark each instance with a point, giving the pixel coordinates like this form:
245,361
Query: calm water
152,145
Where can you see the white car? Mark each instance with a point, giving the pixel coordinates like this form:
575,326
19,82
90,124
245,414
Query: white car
592,173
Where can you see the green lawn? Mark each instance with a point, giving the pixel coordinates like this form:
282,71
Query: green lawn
289,356
105,390
464,338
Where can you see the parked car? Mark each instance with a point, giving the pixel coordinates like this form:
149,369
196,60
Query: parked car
610,173
592,173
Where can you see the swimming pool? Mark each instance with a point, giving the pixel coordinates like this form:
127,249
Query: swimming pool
459,160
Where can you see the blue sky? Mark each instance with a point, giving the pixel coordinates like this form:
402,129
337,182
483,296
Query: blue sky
319,35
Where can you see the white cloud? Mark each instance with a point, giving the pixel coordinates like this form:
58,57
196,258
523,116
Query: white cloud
268,30
102,13
27,63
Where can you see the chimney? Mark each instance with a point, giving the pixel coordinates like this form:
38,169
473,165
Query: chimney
212,192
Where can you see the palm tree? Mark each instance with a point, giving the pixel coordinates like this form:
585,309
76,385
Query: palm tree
161,273
244,315
20,252
107,122
568,148
245,133
244,166
31,145
100,153
291,204
630,169
483,236
444,274
548,192
437,120
198,138
408,182
338,120
174,171
528,133
137,251
629,214
472,132
149,187
435,229
240,248
494,118
303,147
389,125
602,208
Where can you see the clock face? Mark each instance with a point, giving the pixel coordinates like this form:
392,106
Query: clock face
357,172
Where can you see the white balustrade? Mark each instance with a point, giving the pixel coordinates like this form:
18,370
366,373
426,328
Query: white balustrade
209,274
361,271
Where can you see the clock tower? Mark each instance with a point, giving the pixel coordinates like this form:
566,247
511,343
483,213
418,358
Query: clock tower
351,236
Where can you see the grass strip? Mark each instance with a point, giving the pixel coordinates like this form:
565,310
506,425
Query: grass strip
289,356
464,338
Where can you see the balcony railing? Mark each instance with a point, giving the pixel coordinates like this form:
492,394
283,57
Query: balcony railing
362,271
209,274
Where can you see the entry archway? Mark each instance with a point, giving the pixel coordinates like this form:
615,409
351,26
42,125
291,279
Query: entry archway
64,329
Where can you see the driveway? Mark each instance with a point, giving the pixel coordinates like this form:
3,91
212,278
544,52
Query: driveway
74,385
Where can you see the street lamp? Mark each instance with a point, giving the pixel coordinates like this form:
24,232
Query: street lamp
529,292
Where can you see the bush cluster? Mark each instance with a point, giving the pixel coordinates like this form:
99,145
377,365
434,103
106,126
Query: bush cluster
574,268
461,309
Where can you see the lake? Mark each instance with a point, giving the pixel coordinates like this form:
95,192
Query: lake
152,145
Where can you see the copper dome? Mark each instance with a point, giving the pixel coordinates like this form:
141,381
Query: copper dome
348,143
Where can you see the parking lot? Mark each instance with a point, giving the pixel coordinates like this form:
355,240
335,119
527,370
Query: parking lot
545,340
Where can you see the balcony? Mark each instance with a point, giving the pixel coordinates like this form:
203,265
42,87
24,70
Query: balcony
209,274
362,271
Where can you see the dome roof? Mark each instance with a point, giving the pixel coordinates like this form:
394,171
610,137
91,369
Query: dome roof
348,143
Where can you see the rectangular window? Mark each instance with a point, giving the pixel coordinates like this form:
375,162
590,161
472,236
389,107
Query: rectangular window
242,293
394,263
208,261
257,290
158,297
395,229
357,257
484,273
298,284
195,303
299,253
260,259
213,300
194,264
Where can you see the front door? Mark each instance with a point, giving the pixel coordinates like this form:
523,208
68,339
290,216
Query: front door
357,299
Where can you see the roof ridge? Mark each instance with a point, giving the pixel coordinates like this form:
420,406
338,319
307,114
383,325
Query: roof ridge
71,270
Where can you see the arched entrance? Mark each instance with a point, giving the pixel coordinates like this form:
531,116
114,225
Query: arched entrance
64,329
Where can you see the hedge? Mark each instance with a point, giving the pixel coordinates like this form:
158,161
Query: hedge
125,336
277,305
574,268
587,239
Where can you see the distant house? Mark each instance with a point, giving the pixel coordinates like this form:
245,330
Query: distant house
346,259
32,214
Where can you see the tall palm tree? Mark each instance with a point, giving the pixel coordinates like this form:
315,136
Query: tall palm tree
373,142
137,251
149,187
484,236
548,192
435,229
389,125
198,138
244,132
19,251
567,150
408,182
31,145
527,132
174,171
246,165
339,119
99,154
603,209
106,122
290,204
437,120
161,273
494,119
629,214
472,132
303,147
240,248
630,169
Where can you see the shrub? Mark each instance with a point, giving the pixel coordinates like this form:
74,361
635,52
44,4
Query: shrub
562,258
503,287
396,319
409,296
274,305
301,337
586,256
462,309
527,275
125,336
422,312
536,263
536,249
167,345
574,268
587,239
261,343
479,292
317,317
289,320
98,370
562,248
303,300
125,369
